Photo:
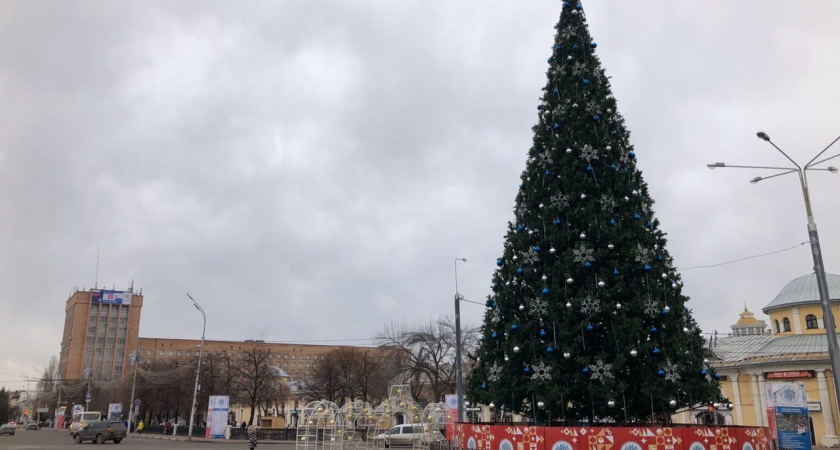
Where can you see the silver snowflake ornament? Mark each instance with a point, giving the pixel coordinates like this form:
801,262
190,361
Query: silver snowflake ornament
493,372
600,371
541,372
539,307
495,316
642,254
670,370
651,308
590,305
607,203
545,159
578,68
530,257
560,201
588,153
583,254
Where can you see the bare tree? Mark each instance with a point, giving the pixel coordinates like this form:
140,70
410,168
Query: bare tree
256,380
326,381
428,355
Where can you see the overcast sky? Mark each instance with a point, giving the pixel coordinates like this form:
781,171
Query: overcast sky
308,170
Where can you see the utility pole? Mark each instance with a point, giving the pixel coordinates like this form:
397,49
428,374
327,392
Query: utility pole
57,404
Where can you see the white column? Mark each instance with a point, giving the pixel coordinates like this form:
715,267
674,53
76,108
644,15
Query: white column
827,409
761,387
797,327
736,400
756,400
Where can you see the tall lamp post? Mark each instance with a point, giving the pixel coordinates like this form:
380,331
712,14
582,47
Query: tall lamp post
819,269
459,383
198,369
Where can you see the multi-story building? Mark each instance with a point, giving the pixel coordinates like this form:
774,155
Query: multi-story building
99,325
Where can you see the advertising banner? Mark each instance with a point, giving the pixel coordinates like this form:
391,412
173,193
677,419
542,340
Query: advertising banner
451,414
110,297
77,409
217,414
791,416
59,417
115,412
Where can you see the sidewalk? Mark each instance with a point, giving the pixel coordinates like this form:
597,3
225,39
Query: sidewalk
205,440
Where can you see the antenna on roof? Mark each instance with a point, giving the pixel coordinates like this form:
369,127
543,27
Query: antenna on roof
96,277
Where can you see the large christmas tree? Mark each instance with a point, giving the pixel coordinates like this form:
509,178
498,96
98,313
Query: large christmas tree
586,320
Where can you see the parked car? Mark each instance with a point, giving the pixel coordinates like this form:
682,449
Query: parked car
401,435
33,426
100,431
7,428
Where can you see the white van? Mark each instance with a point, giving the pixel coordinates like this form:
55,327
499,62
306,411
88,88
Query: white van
82,419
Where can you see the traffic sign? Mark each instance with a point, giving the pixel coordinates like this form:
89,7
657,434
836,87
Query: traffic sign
87,397
137,402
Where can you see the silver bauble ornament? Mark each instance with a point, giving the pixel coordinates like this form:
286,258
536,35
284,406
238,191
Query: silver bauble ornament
583,196
568,304
515,257
611,404
541,206
672,403
569,57
544,277
601,284
530,232
574,12
635,192
626,198
491,405
552,250
583,235
664,276
634,353
609,148
673,285
569,281
522,307
568,150
619,306
667,309
610,246
686,330
567,355
540,405
507,358
516,349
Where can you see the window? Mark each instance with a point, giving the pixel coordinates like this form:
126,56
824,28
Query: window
307,356
113,319
170,352
92,329
160,352
293,356
123,321
124,311
179,353
786,323
285,356
811,322
90,339
103,319
307,366
94,309
121,350
188,353
121,341
110,350
778,329
111,340
285,364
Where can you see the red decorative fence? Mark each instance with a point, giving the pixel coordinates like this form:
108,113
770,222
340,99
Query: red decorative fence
524,437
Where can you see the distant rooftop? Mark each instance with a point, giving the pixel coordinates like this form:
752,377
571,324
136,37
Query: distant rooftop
803,290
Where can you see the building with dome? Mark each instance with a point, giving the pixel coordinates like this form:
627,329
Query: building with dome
792,348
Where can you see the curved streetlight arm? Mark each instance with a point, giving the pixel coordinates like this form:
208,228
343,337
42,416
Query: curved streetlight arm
810,166
757,179
730,166
812,163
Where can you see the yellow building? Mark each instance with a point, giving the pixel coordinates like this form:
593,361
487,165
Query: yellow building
793,349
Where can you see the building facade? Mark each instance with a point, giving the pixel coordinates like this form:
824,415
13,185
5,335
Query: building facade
99,325
793,349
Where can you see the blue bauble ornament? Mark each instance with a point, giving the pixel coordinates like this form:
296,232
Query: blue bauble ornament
613,167
612,221
494,335
556,91
661,373
483,338
547,172
579,7
589,169
487,303
636,216
549,60
595,117
665,312
703,372
556,126
495,304
594,44
659,258
717,376
558,48
585,81
521,186
649,225
537,248
520,227
557,221
484,386
586,370
519,270
647,267
498,262
656,351
587,264
542,333
565,3
527,370
575,46
549,349
545,291
495,285
632,154
616,272
589,328
513,327
653,329
539,106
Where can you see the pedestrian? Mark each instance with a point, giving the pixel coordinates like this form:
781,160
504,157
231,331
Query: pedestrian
167,427
252,437
244,426
125,424
140,427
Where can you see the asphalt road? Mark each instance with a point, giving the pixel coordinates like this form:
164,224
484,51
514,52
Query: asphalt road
60,440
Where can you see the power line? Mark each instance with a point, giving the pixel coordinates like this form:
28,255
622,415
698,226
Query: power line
744,258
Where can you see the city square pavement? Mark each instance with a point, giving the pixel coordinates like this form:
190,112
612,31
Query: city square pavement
60,440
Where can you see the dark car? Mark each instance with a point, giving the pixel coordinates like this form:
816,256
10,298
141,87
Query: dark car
7,428
100,431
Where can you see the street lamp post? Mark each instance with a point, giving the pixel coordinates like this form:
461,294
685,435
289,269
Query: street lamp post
198,369
819,269
459,383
